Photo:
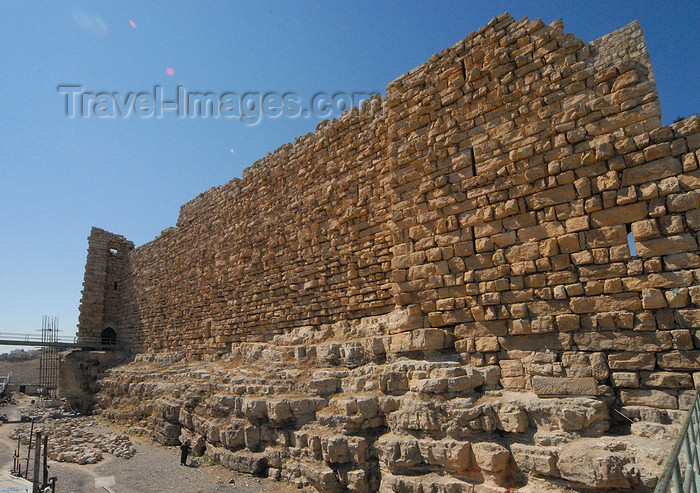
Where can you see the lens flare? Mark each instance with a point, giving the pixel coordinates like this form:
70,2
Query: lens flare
169,71
133,24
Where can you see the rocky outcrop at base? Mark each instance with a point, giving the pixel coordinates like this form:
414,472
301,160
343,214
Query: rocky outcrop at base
354,416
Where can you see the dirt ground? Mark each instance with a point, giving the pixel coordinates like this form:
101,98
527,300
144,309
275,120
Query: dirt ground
153,469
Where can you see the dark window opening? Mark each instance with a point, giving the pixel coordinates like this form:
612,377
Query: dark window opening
471,151
116,286
108,338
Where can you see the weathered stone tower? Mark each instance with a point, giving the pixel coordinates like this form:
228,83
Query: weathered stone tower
103,286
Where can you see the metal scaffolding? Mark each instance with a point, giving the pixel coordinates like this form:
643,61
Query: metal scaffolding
48,364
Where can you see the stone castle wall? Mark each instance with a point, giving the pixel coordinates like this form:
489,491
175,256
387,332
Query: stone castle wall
485,211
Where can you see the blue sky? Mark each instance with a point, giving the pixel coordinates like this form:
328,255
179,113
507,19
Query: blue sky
60,176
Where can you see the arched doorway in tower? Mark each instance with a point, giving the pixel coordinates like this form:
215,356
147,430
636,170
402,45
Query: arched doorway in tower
108,338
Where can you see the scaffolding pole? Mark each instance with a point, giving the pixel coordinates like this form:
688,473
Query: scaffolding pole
49,361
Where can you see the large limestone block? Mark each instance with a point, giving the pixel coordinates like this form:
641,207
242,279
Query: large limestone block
433,482
666,246
647,228
679,360
581,463
399,452
568,322
279,412
233,435
683,201
538,342
321,477
535,458
465,383
554,196
255,409
407,260
525,251
451,455
564,386
168,410
606,236
481,328
668,380
512,417
428,385
491,457
690,317
649,398
335,449
605,303
249,463
570,414
625,379
653,299
324,386
305,408
358,450
619,215
631,361
416,416
652,171
428,339
624,341
393,382
417,340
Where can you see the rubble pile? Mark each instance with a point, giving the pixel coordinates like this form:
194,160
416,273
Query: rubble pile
70,442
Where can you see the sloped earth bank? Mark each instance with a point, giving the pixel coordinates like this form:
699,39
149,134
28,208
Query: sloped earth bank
152,469
344,417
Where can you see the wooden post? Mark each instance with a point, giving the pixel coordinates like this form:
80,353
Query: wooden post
45,479
36,481
17,469
29,451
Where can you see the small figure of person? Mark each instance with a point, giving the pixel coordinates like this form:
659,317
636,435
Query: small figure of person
184,452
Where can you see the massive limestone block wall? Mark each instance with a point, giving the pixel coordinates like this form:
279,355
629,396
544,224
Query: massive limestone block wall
488,206
301,240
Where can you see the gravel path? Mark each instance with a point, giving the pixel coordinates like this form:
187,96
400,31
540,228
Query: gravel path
154,469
